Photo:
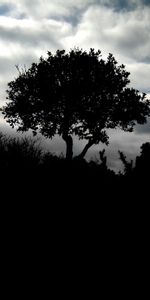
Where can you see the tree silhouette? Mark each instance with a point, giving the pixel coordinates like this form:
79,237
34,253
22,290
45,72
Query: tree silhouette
75,93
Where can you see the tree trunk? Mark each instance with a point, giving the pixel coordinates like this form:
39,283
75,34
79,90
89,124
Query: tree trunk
69,146
84,151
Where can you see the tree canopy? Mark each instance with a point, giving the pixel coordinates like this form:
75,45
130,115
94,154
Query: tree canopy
75,93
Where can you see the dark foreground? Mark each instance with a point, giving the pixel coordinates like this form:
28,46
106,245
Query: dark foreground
29,178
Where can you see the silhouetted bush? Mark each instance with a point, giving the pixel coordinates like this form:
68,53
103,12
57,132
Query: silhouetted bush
142,163
128,165
141,168
135,178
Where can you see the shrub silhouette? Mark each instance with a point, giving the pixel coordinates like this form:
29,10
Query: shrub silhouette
135,178
128,166
142,163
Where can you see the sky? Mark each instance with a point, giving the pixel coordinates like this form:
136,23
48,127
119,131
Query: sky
28,29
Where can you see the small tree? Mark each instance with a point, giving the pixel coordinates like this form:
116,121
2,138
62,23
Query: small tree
75,93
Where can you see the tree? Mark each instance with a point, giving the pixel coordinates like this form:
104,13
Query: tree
75,93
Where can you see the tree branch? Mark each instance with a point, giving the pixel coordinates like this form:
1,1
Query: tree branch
85,149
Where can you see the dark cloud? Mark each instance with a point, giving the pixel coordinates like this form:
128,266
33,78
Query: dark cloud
74,17
5,9
124,4
146,2
30,35
119,4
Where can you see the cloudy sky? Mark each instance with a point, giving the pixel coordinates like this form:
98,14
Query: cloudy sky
28,29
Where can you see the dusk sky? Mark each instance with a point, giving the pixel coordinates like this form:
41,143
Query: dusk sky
30,28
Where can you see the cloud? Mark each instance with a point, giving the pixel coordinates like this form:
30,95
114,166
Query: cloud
68,9
38,9
24,41
31,33
58,8
125,34
5,9
140,76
